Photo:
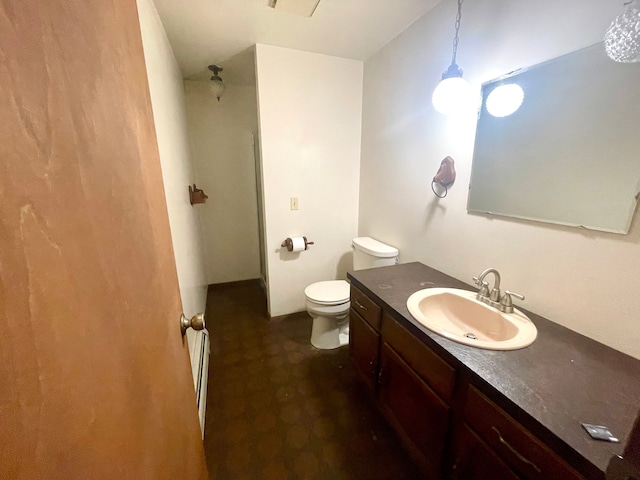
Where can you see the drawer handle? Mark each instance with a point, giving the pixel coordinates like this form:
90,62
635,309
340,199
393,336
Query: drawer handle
521,457
360,306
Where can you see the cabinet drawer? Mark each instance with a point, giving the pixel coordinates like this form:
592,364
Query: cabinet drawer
365,307
437,373
523,452
474,460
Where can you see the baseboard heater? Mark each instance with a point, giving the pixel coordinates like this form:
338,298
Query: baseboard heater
199,348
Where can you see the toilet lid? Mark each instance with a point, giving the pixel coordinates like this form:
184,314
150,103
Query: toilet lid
332,292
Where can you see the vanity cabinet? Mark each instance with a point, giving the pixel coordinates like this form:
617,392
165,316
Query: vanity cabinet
409,381
516,446
447,424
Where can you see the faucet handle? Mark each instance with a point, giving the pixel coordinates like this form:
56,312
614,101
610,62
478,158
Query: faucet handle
514,294
477,282
506,304
484,289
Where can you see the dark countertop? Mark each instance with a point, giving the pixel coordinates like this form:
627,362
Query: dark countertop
562,380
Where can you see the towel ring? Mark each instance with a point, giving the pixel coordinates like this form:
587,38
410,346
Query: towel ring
436,193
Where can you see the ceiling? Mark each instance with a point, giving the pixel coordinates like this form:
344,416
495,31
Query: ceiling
203,32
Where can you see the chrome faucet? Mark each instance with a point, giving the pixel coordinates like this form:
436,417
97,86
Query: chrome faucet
492,298
483,294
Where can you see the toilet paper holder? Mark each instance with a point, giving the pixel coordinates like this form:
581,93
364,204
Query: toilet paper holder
288,242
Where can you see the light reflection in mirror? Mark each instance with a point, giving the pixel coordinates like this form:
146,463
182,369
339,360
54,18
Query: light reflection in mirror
505,100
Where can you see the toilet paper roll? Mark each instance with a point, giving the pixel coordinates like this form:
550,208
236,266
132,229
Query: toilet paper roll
299,244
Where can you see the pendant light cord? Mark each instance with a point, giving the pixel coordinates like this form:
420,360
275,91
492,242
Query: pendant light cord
456,39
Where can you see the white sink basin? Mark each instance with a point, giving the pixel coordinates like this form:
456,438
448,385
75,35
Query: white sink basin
458,316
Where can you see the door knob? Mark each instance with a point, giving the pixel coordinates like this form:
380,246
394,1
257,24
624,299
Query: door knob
196,322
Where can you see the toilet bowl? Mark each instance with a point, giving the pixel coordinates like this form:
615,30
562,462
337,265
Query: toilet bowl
328,304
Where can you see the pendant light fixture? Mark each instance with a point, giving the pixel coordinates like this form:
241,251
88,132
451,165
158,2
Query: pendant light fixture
622,40
217,87
453,93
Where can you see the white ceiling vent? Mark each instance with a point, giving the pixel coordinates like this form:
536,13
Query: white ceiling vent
297,7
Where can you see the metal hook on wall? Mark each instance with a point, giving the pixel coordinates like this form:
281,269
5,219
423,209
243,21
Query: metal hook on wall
196,195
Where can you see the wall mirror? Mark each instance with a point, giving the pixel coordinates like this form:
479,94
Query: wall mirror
570,154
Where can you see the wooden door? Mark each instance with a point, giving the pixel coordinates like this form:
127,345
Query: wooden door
94,374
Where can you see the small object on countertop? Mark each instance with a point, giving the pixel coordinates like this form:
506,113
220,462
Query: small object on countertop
600,432
445,177
196,195
296,244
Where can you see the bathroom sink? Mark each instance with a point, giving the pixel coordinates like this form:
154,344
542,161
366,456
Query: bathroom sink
458,316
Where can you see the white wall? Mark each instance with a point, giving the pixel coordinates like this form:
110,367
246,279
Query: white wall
310,125
584,280
222,149
167,100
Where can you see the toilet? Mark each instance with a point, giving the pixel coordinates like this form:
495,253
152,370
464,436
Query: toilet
328,302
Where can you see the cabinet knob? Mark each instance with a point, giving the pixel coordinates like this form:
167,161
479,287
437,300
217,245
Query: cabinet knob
454,475
372,366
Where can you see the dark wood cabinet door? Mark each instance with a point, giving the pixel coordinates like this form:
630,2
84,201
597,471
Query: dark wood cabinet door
632,450
364,343
419,416
474,460
518,447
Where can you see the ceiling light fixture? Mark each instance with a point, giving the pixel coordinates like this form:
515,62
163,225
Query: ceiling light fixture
453,93
217,87
622,39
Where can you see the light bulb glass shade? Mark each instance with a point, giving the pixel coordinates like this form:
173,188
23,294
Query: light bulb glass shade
217,87
452,95
505,100
622,39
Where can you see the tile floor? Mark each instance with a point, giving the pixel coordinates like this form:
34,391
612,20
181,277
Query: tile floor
277,408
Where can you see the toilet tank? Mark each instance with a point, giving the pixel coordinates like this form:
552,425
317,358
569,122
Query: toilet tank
370,253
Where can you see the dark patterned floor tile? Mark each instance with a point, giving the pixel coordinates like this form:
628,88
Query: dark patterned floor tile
277,408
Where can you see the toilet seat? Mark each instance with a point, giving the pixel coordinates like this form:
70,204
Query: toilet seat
331,292
328,304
